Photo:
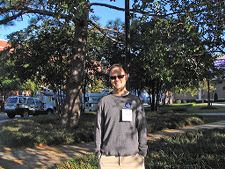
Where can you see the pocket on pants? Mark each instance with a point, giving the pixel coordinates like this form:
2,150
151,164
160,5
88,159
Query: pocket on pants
133,162
109,162
140,156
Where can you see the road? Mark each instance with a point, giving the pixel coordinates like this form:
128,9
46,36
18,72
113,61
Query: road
4,117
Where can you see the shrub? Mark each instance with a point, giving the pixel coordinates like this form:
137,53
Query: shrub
47,130
209,107
83,162
171,121
178,101
195,149
183,101
44,130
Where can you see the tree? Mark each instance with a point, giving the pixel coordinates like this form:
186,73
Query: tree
175,49
75,14
8,80
37,57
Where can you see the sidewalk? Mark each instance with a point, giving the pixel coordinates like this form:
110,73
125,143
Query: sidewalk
42,157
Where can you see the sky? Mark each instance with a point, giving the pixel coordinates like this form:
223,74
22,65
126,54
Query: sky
105,15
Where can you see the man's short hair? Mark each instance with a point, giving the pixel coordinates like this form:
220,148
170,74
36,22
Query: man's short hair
117,65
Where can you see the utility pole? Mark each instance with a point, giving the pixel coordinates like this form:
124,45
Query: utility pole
127,33
127,38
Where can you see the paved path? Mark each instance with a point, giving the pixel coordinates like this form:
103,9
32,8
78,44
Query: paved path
42,157
173,132
210,114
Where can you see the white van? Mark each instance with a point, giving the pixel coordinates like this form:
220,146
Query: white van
48,101
91,100
13,106
24,106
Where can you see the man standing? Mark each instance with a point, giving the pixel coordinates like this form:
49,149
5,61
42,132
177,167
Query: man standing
121,134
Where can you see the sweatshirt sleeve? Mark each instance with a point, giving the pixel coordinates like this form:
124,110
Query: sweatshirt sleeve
98,129
142,130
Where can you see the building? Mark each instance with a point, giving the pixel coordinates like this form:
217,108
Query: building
220,82
202,95
3,45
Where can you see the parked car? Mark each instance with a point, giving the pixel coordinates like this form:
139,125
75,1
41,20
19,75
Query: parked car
25,106
91,100
11,105
144,96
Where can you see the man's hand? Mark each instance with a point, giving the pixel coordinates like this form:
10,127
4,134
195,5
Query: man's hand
98,155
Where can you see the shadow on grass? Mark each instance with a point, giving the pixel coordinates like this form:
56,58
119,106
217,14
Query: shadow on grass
29,132
196,149
193,150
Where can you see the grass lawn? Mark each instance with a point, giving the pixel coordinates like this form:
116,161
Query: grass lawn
44,129
203,149
193,108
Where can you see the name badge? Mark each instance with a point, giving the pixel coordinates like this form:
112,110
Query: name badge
127,115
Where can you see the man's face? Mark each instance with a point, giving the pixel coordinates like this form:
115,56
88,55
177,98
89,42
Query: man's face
118,78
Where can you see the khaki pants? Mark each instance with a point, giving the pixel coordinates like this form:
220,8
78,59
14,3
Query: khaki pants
123,162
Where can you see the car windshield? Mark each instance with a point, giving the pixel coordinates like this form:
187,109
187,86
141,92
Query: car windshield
12,100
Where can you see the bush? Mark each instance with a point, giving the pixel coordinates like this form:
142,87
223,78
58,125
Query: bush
192,150
180,109
183,101
45,130
158,122
89,161
195,149
178,101
209,107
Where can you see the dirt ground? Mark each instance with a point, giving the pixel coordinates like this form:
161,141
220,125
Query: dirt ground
40,157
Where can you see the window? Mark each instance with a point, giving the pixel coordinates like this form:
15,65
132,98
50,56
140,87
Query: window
30,101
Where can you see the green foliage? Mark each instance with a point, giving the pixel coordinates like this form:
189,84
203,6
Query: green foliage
195,90
96,85
8,79
173,41
165,57
44,130
171,121
89,161
196,149
29,85
47,130
38,58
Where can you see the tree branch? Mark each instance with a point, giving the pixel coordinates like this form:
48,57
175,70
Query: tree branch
102,31
27,10
11,18
144,12
132,10
106,5
45,12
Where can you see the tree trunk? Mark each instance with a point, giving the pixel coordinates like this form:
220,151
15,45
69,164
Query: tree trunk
71,113
158,88
153,96
208,86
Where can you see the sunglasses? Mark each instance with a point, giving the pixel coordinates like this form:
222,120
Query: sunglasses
114,77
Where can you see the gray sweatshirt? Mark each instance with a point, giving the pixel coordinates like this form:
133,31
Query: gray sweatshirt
116,136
